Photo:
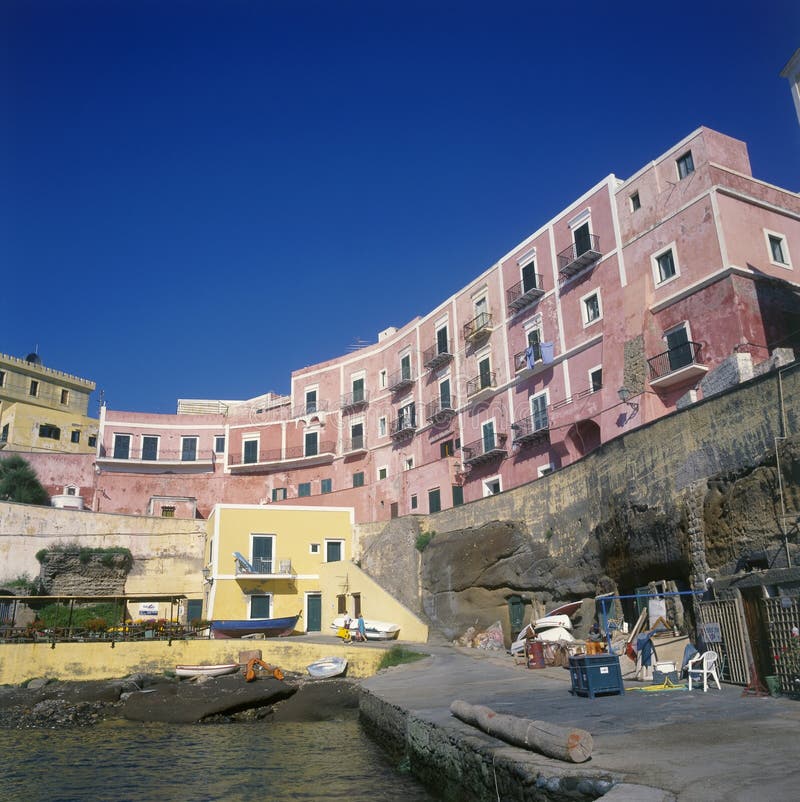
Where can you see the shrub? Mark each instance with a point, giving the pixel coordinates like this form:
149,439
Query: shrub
398,655
423,538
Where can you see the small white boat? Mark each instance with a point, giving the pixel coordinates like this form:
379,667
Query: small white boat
375,630
327,667
550,621
207,671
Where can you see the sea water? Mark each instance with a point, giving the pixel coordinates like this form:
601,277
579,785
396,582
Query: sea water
241,762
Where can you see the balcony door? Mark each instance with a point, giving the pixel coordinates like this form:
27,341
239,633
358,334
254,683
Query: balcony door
262,554
485,372
583,239
529,277
488,436
444,394
441,341
357,435
358,391
679,349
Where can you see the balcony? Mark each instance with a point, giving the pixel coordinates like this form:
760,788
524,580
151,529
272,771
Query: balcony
403,427
262,568
526,364
309,409
401,379
525,293
355,445
578,256
481,386
440,411
676,366
161,460
293,456
435,357
490,447
479,328
355,400
532,430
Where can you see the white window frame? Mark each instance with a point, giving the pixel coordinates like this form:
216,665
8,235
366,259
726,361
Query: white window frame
196,439
591,381
273,538
382,468
678,164
382,378
361,375
544,470
306,433
217,438
490,480
408,463
251,438
250,604
114,445
787,265
341,552
657,280
635,201
535,397
382,429
436,329
157,438
313,548
312,388
585,308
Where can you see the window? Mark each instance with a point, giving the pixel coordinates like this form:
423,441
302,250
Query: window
487,436
434,500
358,479
356,605
356,436
278,493
2,378
341,604
679,347
34,388
381,427
382,473
596,379
636,203
405,367
413,502
261,553
685,165
219,444
408,464
665,265
539,411
445,400
529,276
484,373
543,470
333,551
188,449
446,449
168,512
65,396
71,490
406,417
442,344
326,486
260,606
4,434
311,444
49,431
311,401
75,436
150,447
491,487
250,451
92,440
358,390
458,495
778,249
304,489
122,446
592,311
382,378
313,548
582,236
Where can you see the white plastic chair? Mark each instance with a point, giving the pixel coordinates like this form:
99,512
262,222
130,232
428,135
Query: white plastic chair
706,668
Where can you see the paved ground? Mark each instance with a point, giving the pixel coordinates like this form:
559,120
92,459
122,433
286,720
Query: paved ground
718,745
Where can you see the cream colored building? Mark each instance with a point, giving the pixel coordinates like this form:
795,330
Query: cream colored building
265,561
42,409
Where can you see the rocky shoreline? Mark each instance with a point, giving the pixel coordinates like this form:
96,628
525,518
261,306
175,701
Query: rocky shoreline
53,704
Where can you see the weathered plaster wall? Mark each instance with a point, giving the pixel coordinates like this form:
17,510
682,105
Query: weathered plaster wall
671,500
167,552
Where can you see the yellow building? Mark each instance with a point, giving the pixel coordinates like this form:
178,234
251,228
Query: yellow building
276,561
42,409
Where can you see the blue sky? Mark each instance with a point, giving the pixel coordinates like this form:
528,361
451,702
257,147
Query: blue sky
197,198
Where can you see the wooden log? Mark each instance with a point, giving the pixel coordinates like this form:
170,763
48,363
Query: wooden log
563,743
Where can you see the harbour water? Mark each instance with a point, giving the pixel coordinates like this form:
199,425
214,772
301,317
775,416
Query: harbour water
242,762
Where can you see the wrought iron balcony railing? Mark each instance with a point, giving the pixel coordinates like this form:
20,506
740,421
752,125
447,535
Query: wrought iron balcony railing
436,356
523,360
162,455
480,326
533,429
400,379
438,410
403,426
525,293
484,381
578,256
489,447
353,444
291,453
675,359
358,398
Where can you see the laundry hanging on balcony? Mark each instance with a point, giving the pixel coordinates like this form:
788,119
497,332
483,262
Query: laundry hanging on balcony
547,352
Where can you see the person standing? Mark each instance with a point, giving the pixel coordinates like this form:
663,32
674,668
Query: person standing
362,629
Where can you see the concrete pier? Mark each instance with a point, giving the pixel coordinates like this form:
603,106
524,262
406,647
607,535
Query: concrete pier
666,745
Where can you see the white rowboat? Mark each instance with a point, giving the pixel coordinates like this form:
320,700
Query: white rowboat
327,667
207,671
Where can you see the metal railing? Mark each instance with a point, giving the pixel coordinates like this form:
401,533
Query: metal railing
440,409
521,295
434,356
579,255
532,428
401,378
309,408
478,326
487,447
204,455
484,381
358,443
402,426
266,455
521,358
681,356
355,399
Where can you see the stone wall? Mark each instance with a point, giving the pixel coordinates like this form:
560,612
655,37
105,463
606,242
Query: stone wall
673,500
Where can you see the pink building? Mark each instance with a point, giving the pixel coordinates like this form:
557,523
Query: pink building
641,297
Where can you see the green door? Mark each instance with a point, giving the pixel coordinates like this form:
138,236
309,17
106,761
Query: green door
314,612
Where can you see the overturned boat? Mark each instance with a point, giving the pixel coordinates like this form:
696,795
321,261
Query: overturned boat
375,630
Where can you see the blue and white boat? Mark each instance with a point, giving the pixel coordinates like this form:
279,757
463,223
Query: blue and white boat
242,628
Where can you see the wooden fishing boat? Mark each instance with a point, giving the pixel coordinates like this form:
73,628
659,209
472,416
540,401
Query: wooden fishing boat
569,608
266,627
327,667
207,671
375,630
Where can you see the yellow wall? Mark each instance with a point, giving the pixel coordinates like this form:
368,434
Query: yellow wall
295,528
24,421
88,661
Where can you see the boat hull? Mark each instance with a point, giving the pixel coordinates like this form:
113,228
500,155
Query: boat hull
375,630
207,671
327,667
268,627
